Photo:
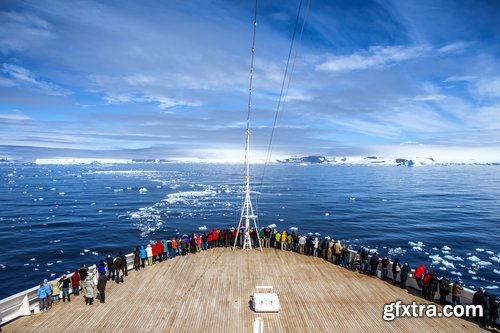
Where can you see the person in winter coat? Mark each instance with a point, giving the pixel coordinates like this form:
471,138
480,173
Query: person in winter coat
444,290
42,298
492,320
283,240
64,282
396,268
75,282
419,274
119,268
55,291
101,287
149,252
337,251
405,271
137,259
88,290
456,292
124,262
159,250
143,255
277,239
385,267
165,249
485,304
110,262
374,264
48,288
154,249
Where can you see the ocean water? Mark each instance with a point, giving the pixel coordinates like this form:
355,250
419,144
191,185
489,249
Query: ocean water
54,218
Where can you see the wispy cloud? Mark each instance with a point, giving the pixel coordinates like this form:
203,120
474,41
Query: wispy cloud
20,76
14,116
374,57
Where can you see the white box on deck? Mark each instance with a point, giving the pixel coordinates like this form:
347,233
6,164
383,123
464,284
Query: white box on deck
265,300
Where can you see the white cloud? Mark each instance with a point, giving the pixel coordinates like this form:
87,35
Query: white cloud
374,57
454,48
487,87
17,117
428,98
20,76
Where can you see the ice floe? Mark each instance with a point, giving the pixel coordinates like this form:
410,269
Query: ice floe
203,227
491,287
453,258
456,273
496,271
446,248
143,190
479,250
473,258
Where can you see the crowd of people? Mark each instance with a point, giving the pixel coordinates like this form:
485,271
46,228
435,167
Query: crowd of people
115,268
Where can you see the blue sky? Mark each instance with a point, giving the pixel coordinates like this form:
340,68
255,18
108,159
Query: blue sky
169,79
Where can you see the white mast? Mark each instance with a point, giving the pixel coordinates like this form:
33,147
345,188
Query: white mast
247,213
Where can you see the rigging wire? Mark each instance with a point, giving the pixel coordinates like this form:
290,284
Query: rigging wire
284,92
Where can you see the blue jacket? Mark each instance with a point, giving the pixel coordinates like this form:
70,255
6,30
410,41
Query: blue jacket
142,252
42,292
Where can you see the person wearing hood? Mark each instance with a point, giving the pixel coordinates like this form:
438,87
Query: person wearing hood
75,282
396,268
405,270
143,255
88,290
124,262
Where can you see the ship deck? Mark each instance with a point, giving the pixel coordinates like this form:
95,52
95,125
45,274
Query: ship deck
210,292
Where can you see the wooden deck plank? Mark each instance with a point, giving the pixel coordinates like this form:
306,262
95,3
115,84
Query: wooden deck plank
210,292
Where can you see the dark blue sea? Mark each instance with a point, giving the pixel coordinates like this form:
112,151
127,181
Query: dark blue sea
55,217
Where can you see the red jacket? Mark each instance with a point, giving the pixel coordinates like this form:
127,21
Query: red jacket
159,246
154,249
75,279
419,271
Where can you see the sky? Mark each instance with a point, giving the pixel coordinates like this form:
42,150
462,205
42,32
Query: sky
170,79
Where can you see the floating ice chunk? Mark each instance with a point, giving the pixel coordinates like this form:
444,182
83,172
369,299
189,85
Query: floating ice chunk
449,257
293,228
118,190
435,248
27,264
473,258
442,268
32,259
53,189
281,220
59,261
496,259
483,263
309,233
56,240
475,278
82,254
62,193
352,198
143,190
445,252
472,272
491,287
95,253
203,227
479,249
272,226
327,214
395,251
446,248
317,234
50,263
490,252
456,273
86,250
496,271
